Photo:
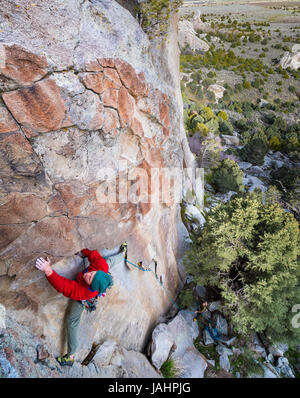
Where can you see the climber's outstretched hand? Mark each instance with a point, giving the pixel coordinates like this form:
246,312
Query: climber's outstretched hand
44,265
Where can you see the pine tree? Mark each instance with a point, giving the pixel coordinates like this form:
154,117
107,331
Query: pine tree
250,252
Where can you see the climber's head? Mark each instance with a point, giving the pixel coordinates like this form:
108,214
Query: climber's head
88,277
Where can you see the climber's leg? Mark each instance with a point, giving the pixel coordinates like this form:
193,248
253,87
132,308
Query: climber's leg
73,321
115,259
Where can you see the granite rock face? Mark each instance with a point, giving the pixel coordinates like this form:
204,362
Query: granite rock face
85,98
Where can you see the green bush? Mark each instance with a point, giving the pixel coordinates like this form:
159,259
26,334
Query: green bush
250,252
186,298
255,149
227,177
223,115
225,127
213,125
285,178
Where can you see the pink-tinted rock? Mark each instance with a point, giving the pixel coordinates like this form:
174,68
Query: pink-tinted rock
111,79
134,82
164,113
21,65
111,121
73,197
93,66
17,156
7,123
136,127
106,62
8,233
18,208
126,106
40,107
110,97
93,81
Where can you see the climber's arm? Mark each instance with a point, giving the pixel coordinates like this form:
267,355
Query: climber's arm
67,287
97,262
70,288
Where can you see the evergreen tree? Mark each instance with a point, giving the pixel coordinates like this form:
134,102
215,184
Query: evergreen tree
227,176
250,252
255,149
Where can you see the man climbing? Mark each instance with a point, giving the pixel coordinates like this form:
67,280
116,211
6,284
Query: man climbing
91,283
203,307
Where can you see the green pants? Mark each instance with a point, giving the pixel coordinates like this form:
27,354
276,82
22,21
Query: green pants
73,318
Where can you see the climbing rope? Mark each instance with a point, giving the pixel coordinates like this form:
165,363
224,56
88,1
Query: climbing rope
167,294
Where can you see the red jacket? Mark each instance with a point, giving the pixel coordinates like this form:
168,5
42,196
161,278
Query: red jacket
78,289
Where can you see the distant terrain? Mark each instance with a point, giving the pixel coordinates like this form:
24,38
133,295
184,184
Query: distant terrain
240,83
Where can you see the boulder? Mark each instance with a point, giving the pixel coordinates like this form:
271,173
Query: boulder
187,36
200,292
256,346
278,350
253,182
194,215
224,362
220,323
290,60
190,362
222,350
161,344
283,368
228,341
217,90
245,165
207,339
295,48
230,139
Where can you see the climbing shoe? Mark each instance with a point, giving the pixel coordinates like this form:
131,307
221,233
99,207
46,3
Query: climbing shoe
123,248
65,360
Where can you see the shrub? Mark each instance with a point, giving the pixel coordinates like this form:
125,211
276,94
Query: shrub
292,89
223,115
207,113
242,124
213,125
280,123
250,252
186,298
246,84
227,177
274,143
285,178
225,127
255,149
211,96
193,121
203,129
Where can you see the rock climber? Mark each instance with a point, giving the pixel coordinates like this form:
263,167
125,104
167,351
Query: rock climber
203,307
90,284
